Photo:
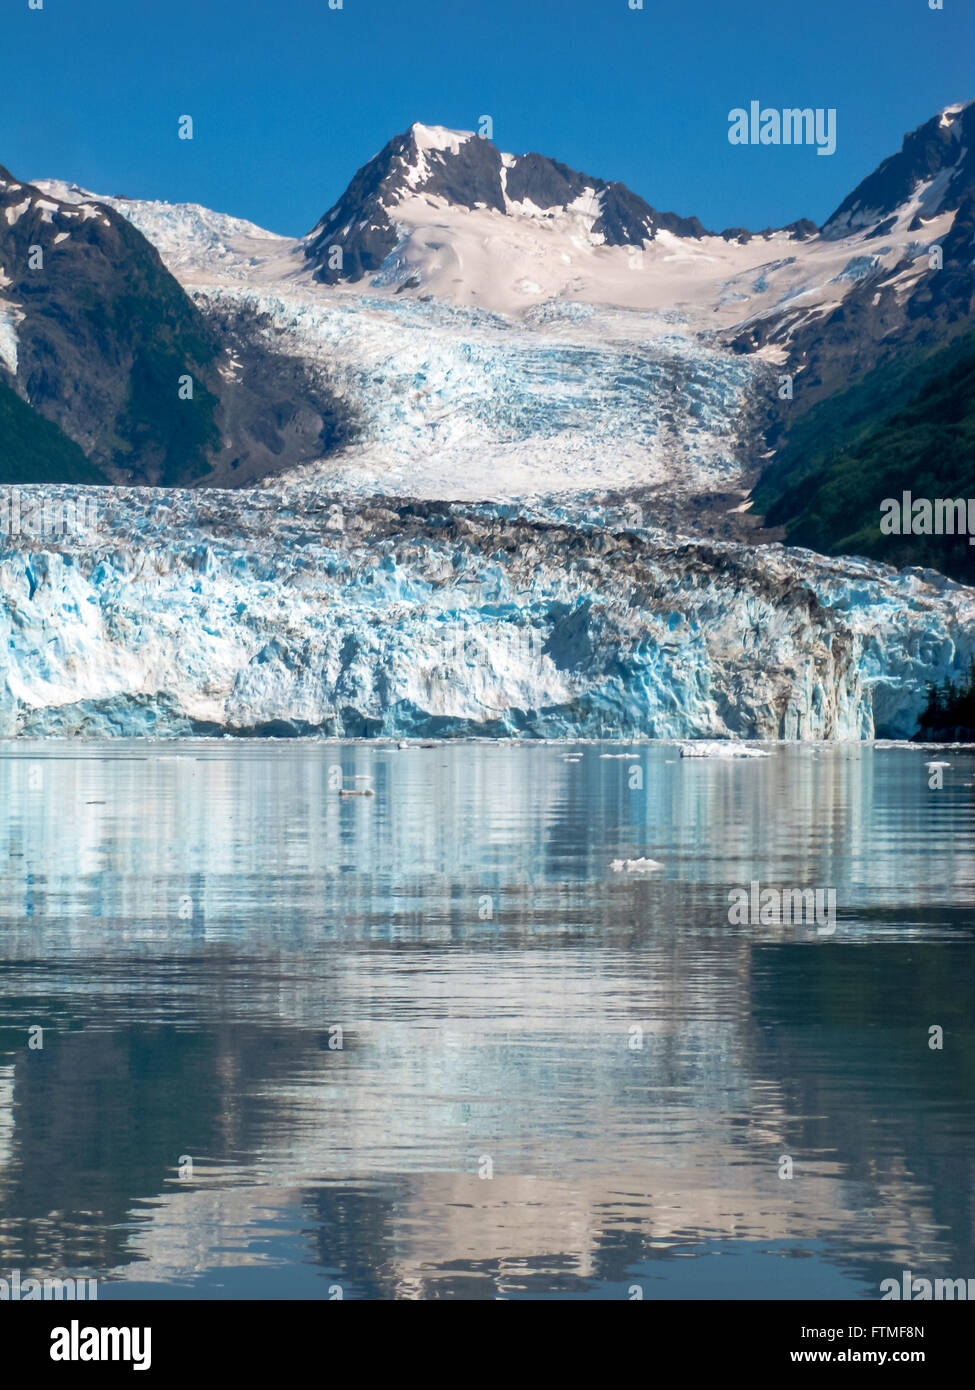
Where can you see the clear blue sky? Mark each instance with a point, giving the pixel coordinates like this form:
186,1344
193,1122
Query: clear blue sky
289,98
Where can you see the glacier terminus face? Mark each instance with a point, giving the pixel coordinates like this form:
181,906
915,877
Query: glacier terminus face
297,611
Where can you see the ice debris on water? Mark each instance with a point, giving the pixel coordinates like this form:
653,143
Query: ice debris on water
717,749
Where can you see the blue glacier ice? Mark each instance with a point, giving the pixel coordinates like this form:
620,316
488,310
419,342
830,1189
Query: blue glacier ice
300,611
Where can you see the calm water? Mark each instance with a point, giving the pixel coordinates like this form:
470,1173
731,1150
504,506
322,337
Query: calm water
190,923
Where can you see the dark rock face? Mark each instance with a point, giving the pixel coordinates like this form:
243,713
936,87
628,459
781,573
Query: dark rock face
885,378
943,145
627,220
107,340
948,295
107,334
877,324
276,411
800,230
359,222
363,222
468,178
546,182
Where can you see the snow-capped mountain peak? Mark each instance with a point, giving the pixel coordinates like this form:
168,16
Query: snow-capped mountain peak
438,137
453,172
511,306
935,167
948,115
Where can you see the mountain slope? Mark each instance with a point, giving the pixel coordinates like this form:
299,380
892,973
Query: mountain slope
33,450
911,284
104,334
866,445
883,383
101,340
443,214
937,158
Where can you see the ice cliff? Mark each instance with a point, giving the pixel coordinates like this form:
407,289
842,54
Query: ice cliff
295,612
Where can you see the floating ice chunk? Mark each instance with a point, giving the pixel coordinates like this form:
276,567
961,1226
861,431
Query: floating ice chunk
717,748
634,866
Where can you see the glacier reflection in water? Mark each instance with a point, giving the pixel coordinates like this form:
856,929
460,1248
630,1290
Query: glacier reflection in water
190,923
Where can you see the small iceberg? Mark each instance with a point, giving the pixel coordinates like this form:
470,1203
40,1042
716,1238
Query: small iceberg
717,748
634,866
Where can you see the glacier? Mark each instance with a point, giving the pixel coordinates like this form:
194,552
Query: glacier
569,397
609,588
297,610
